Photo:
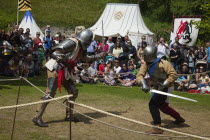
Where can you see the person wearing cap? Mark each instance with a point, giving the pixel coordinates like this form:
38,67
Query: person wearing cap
47,30
60,68
162,76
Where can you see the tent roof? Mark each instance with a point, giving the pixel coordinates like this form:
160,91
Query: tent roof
120,19
29,22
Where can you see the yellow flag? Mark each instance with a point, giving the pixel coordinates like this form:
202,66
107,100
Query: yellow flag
24,5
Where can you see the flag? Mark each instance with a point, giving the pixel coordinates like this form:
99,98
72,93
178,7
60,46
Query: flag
24,5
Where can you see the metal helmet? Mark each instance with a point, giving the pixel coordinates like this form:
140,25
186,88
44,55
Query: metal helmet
150,54
85,36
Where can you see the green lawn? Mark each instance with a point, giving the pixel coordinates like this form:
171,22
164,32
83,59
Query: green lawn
115,99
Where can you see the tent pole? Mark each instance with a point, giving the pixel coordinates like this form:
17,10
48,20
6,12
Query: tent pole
17,13
103,35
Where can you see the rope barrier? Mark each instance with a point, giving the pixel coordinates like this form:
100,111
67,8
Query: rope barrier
125,129
138,122
34,103
9,79
42,91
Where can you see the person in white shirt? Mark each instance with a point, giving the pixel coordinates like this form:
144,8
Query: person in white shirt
162,49
117,67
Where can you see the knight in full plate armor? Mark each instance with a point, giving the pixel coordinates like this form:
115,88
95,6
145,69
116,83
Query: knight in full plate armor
60,68
162,76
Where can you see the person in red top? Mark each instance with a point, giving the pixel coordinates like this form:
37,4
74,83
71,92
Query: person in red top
103,46
37,41
101,67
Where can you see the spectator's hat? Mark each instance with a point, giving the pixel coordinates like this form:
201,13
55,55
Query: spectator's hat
57,35
185,64
29,56
48,25
119,37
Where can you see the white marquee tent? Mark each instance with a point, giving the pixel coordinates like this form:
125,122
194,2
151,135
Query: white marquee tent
29,22
122,19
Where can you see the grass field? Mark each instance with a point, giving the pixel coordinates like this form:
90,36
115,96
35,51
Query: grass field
128,102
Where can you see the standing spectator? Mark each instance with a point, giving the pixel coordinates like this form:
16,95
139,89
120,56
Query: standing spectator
122,43
183,53
117,50
91,48
28,43
126,38
200,53
48,30
177,43
21,32
140,52
111,45
191,60
28,31
162,49
109,75
37,40
175,55
126,78
47,40
207,57
143,39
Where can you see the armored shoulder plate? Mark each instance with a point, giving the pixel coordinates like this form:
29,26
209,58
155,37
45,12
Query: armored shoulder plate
67,46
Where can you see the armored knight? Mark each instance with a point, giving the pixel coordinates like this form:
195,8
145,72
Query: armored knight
162,76
60,67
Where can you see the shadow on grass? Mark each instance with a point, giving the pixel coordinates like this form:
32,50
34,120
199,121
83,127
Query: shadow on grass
85,120
4,87
169,124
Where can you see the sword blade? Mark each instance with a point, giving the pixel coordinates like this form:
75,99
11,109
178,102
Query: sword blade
172,95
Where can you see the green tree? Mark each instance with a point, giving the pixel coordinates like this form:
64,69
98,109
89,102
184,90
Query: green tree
204,25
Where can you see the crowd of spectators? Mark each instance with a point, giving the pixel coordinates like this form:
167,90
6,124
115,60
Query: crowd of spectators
22,55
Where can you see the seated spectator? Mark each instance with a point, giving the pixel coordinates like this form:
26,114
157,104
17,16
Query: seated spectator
36,41
93,72
133,70
111,45
84,75
27,68
126,78
117,67
183,80
15,64
117,50
103,46
101,67
91,48
131,49
109,74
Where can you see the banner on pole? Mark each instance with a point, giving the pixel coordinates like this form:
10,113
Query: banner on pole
24,5
185,30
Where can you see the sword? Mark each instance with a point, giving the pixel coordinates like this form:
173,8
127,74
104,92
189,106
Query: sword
172,95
